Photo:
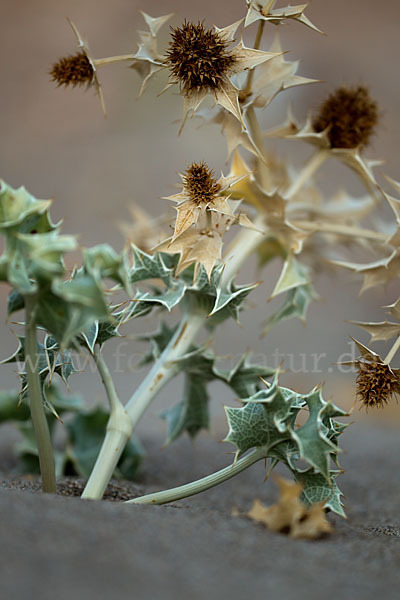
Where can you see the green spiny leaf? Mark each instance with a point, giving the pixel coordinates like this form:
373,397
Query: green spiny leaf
314,445
191,414
16,206
294,305
316,488
244,377
103,262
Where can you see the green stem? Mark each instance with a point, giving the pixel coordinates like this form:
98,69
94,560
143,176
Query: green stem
119,430
201,485
39,421
117,436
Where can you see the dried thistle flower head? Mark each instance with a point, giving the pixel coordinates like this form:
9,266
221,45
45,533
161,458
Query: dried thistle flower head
350,115
198,58
202,194
79,68
200,184
73,70
377,383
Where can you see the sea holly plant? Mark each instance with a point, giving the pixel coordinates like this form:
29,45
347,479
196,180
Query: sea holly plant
270,209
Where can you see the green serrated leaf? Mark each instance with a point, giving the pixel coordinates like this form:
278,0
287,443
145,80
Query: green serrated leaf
16,206
228,301
43,253
318,489
314,445
158,340
243,378
294,305
262,421
191,414
103,262
71,307
293,275
167,298
147,266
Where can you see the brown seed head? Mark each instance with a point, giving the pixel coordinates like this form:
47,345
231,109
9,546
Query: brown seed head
351,115
198,57
73,70
376,383
199,183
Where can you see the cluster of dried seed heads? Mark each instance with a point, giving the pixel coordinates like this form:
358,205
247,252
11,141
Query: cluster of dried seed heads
73,70
198,58
200,184
376,383
351,116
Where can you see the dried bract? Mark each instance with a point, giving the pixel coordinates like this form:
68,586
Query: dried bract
350,117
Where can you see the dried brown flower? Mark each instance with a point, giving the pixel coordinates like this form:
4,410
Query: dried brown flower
198,58
377,383
200,184
73,70
351,116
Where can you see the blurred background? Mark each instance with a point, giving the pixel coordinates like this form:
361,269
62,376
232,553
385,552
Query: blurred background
57,143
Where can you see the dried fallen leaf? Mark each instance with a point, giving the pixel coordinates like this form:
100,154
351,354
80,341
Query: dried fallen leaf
289,515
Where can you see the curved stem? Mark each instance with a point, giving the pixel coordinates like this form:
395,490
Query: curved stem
201,485
312,165
39,421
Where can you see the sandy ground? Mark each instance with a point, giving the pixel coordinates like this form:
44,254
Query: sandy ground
58,547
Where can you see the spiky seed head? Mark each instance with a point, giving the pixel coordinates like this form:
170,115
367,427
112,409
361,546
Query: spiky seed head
198,58
376,383
351,116
200,184
73,70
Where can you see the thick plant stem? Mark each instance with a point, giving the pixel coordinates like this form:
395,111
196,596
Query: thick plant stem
119,430
39,421
120,427
201,485
390,355
310,168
